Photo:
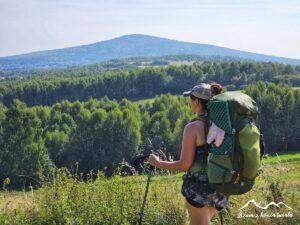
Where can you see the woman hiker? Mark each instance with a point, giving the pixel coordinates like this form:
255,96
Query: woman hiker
201,200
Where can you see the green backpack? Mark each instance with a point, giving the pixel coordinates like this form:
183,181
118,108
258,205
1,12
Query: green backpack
233,166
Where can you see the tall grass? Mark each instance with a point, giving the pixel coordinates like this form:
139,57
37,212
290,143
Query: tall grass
118,200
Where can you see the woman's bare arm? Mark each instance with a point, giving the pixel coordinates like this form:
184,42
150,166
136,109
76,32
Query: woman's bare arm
187,152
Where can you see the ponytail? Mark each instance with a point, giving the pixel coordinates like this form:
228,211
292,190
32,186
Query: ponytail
215,88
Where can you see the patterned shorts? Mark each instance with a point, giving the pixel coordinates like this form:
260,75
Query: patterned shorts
198,192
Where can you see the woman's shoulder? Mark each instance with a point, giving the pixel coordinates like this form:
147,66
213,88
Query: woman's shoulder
194,124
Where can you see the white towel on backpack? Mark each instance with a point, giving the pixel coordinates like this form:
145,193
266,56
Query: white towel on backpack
215,134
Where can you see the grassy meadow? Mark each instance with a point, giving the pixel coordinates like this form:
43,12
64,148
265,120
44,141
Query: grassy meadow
118,200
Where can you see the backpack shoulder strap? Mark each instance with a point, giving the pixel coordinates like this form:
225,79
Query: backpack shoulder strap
207,146
204,118
206,121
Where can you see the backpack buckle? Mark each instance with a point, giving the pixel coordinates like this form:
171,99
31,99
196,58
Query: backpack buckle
237,179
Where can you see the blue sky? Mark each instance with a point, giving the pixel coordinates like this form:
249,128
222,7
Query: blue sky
267,26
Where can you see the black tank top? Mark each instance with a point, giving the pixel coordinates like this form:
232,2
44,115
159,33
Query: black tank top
202,154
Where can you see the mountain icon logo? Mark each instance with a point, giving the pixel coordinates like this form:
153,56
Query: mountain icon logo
267,206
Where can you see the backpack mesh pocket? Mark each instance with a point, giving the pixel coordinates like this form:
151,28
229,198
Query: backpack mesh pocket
219,114
226,146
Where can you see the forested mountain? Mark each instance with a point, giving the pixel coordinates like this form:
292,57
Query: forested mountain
135,45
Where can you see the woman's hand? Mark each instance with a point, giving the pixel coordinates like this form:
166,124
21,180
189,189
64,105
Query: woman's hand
154,160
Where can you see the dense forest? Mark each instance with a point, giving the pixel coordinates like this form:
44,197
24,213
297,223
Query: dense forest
140,83
98,134
118,64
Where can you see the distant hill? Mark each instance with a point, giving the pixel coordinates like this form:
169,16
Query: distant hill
135,45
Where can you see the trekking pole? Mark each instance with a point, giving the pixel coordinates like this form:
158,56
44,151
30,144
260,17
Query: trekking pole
146,190
221,218
145,196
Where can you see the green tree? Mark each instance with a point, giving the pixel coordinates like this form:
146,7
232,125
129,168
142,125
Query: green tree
22,154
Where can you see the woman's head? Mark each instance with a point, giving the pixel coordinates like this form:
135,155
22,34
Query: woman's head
200,94
198,104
